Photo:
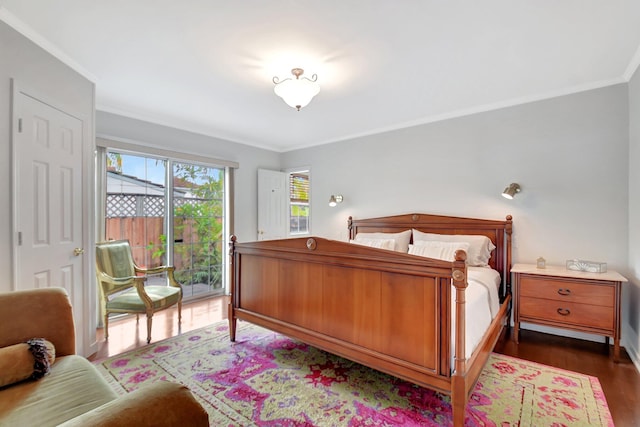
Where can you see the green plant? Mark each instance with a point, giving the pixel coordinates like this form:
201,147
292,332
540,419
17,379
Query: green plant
199,221
159,249
114,161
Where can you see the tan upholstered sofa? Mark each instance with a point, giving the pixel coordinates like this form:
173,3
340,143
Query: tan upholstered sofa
74,393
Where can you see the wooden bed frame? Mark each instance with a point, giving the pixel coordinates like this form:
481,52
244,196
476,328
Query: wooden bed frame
387,310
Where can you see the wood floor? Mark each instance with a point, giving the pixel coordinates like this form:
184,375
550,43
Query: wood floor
620,381
125,334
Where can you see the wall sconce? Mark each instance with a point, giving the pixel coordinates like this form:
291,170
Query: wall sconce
334,200
511,191
297,92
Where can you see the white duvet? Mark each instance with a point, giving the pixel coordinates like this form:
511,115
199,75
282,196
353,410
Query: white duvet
482,305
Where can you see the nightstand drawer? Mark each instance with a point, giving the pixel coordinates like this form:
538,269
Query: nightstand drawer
567,290
586,315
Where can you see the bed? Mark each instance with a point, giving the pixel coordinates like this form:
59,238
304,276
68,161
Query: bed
401,313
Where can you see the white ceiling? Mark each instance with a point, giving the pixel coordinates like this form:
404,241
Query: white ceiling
207,65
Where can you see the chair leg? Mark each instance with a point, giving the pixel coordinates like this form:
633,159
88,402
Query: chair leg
137,319
149,321
179,311
106,326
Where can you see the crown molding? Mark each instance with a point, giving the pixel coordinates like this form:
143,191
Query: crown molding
633,66
18,25
514,102
181,125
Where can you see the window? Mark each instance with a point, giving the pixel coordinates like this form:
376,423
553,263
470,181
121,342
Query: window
172,212
299,202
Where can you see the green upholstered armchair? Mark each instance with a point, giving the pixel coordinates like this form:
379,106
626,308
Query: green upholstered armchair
122,285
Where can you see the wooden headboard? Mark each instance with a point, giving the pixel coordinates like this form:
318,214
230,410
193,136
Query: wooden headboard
498,231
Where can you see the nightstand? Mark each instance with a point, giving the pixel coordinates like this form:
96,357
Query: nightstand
576,300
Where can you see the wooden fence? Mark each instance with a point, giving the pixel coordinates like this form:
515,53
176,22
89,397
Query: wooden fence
143,234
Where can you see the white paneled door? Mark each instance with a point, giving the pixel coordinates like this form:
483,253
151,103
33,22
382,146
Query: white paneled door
272,204
48,200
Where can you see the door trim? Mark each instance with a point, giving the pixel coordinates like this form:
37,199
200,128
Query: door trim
86,327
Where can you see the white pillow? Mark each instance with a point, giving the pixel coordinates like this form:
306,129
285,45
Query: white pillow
480,247
376,243
439,250
402,239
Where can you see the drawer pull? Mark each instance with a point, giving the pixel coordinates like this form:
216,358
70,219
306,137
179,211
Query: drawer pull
563,291
564,311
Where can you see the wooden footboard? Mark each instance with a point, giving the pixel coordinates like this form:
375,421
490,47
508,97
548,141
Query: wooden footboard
387,310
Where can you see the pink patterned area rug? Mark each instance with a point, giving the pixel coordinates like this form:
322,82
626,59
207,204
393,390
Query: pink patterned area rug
267,379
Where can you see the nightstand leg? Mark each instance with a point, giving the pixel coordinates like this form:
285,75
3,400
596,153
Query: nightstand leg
516,332
616,349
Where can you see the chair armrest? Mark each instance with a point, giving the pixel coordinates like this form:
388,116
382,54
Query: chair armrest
154,270
119,280
161,404
161,269
38,313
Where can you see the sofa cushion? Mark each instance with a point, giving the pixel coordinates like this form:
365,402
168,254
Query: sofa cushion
73,387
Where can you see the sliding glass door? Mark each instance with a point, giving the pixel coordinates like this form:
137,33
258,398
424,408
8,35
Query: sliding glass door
198,227
172,212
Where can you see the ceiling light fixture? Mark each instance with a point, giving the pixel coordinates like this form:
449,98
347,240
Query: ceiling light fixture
299,91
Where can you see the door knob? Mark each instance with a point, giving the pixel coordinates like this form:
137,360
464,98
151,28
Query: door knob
78,251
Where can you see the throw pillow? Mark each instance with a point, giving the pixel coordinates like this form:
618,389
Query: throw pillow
30,360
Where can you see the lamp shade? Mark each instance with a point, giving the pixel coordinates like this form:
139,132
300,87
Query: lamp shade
297,92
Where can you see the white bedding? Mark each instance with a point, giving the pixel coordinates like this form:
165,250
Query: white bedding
482,305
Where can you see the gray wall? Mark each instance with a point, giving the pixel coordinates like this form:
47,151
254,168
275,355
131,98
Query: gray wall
39,72
246,176
569,154
633,298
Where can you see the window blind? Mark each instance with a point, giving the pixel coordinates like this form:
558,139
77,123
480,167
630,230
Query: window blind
299,188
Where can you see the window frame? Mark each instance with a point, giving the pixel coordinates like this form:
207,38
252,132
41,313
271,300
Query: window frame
290,172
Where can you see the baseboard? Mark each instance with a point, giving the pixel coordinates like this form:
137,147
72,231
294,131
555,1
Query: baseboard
629,346
631,349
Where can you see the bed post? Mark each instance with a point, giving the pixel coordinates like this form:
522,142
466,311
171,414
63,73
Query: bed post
508,229
352,234
458,386
232,288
